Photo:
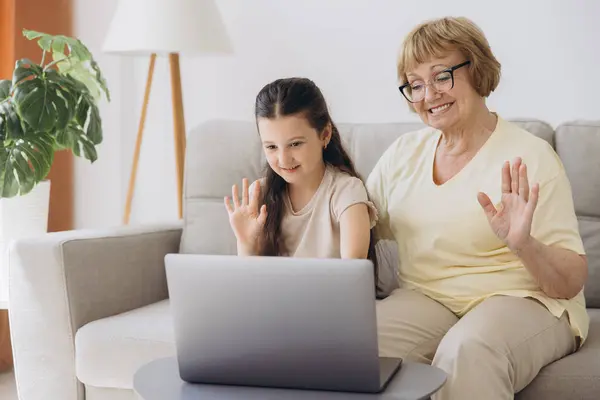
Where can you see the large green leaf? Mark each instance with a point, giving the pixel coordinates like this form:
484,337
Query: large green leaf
3,118
83,111
6,110
66,110
42,104
75,138
30,35
24,163
86,113
80,73
9,186
78,49
5,86
88,118
10,123
45,41
25,69
100,79
84,71
74,86
58,44
94,129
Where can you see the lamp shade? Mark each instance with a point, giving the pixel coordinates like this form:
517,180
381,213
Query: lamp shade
190,27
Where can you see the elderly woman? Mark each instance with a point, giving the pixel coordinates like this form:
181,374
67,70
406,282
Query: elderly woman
492,265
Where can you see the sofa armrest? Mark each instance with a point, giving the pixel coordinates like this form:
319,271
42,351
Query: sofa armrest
61,281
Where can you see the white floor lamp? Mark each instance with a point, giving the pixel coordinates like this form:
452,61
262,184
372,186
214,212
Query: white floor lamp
171,28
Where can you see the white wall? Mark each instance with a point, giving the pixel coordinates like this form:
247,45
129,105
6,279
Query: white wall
98,186
548,50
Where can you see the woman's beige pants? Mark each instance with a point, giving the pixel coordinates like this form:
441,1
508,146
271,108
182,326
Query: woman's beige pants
492,352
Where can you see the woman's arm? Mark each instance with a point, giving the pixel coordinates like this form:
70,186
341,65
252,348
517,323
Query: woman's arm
355,231
551,250
560,273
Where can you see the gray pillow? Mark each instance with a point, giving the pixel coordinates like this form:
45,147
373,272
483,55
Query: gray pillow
387,258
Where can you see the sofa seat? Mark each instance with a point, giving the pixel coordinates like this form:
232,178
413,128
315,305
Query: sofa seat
576,376
109,351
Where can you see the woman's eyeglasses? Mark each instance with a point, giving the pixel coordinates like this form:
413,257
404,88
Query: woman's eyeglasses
442,82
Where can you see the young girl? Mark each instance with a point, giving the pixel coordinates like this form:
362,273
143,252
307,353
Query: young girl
313,202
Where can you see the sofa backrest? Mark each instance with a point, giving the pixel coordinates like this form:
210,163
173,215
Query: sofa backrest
578,145
221,152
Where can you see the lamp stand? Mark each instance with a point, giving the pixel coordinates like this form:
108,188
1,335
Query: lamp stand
178,126
178,132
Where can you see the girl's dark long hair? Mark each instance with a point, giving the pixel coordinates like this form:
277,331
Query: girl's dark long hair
293,96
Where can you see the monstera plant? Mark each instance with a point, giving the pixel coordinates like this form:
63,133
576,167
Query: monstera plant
48,107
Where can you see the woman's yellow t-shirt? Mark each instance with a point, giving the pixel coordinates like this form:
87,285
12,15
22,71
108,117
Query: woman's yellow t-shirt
446,247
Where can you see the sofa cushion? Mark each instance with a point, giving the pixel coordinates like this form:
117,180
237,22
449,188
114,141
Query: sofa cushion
576,376
577,144
110,350
388,262
589,228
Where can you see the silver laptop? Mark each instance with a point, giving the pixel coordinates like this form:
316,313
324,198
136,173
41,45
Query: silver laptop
277,322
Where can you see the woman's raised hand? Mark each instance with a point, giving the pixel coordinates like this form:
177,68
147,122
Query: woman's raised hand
512,221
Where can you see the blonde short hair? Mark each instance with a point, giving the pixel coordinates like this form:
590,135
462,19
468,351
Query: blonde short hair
435,37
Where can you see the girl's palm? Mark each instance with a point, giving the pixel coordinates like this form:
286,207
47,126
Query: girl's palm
245,218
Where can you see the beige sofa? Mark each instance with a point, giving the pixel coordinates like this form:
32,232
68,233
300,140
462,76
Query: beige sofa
88,308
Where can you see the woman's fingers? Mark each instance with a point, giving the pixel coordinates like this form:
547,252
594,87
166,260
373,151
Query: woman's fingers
486,204
514,176
533,200
506,178
523,183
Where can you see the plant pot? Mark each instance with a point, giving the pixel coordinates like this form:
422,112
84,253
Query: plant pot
21,217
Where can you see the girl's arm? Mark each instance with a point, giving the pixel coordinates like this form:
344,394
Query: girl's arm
355,231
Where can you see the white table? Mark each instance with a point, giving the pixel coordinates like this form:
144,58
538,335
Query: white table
159,380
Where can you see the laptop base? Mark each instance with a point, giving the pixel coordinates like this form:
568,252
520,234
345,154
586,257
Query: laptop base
388,367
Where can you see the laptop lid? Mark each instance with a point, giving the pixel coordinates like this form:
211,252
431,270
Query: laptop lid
275,321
